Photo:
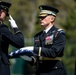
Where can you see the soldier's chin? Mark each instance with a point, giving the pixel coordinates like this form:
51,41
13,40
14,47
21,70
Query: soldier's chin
42,24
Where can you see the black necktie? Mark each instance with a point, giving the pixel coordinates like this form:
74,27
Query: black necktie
43,35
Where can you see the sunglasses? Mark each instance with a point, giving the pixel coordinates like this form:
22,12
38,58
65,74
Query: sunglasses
42,17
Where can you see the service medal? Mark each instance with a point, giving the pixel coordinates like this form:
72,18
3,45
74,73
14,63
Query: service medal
49,39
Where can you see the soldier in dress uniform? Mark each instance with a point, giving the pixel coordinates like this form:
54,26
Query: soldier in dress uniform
48,46
15,39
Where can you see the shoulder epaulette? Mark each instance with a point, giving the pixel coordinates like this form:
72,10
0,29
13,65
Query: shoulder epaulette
60,29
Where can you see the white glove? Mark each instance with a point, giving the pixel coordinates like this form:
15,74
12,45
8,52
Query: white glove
31,59
27,58
12,22
29,48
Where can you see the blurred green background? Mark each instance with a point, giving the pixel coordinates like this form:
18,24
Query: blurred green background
25,13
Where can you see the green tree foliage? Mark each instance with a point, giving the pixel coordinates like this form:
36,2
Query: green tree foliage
70,51
24,12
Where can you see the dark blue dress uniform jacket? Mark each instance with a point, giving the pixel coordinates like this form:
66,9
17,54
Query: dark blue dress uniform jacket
6,38
50,48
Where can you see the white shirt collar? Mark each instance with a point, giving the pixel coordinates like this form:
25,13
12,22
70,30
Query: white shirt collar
46,30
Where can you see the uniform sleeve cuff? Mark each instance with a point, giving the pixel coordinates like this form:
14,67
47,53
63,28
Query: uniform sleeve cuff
16,30
39,54
37,50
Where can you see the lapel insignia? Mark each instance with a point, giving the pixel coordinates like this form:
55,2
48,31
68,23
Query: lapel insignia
49,39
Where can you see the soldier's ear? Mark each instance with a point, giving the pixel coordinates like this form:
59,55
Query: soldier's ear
52,18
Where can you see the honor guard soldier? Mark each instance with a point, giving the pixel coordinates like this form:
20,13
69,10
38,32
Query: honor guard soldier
7,38
48,46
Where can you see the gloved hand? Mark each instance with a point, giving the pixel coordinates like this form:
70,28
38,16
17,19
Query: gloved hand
29,48
12,22
27,58
31,60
